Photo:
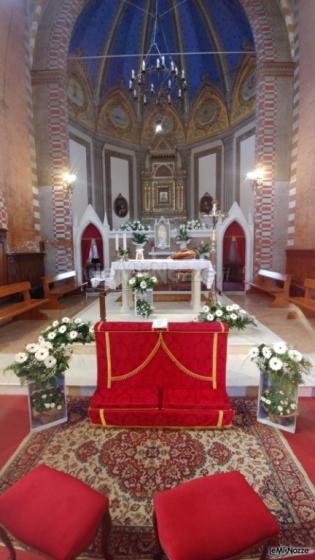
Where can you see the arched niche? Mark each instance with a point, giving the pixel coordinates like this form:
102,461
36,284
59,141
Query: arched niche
235,215
89,218
234,247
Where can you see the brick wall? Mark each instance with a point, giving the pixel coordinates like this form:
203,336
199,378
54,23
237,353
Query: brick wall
302,232
16,178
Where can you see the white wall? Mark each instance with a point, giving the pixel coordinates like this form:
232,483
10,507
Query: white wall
78,165
247,163
207,175
119,170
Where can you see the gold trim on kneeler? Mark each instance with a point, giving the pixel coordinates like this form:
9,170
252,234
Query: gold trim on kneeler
214,361
109,361
181,366
220,419
102,417
145,362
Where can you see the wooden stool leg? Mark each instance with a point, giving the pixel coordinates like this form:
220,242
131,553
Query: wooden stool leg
7,542
106,527
158,555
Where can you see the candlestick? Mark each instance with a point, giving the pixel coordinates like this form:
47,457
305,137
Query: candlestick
124,241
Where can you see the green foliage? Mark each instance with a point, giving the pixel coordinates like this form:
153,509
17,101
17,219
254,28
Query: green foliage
284,365
232,315
144,309
142,282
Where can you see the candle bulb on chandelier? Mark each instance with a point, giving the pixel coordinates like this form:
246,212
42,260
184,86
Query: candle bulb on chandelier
145,99
179,93
133,74
183,74
172,66
143,66
158,64
130,85
169,99
163,60
169,84
135,94
152,88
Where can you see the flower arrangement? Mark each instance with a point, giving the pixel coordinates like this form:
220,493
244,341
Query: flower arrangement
122,254
41,363
277,403
141,282
192,225
283,364
134,225
203,249
143,308
139,231
68,331
232,315
44,362
182,235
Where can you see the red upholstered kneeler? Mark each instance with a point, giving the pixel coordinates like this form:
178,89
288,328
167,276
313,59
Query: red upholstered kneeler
168,378
212,518
54,513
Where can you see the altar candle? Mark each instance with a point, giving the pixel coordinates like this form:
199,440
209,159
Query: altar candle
124,241
116,242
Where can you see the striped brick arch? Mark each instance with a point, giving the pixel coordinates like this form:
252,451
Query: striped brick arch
56,59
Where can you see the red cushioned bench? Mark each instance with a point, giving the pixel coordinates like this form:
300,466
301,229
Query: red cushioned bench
169,378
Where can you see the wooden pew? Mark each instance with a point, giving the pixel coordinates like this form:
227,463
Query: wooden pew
57,286
275,284
28,308
307,301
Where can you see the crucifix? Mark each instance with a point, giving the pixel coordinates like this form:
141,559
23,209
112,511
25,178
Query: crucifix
216,215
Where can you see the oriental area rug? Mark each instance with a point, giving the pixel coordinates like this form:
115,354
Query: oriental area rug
129,466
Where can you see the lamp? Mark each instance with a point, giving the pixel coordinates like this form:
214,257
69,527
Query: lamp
161,80
68,179
158,125
257,176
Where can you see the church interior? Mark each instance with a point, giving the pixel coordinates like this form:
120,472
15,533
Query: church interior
157,279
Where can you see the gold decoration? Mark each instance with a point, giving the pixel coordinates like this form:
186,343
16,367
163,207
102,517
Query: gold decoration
244,94
117,118
209,115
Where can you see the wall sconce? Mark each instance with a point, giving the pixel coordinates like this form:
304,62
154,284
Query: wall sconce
69,179
257,176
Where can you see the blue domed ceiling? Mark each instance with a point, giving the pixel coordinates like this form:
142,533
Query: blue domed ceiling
125,27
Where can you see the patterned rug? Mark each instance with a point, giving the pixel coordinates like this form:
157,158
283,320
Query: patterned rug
129,466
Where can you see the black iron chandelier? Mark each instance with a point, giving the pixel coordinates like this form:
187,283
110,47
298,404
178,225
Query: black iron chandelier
158,78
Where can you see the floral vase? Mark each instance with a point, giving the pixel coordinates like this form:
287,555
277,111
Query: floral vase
47,404
146,296
286,422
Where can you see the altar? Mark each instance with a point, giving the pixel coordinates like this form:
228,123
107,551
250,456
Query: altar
122,270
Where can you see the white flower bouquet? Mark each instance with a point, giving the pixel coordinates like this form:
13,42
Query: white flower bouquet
232,315
142,282
134,225
143,308
284,365
277,403
68,331
192,225
40,363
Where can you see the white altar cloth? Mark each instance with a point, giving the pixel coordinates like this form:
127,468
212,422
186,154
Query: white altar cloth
201,269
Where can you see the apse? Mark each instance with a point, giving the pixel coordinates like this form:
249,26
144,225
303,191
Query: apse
116,98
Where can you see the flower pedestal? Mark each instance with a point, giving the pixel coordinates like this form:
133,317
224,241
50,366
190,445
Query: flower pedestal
47,404
271,397
147,297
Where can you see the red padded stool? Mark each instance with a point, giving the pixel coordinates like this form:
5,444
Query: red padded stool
212,518
54,513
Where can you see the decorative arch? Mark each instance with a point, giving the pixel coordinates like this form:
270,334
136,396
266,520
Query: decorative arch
235,215
244,92
208,116
117,117
89,218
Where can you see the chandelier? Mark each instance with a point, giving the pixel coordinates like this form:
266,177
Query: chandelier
158,78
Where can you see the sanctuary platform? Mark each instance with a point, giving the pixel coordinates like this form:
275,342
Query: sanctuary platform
242,374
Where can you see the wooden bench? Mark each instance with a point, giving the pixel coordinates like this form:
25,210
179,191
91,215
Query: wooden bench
57,286
28,308
307,301
275,284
